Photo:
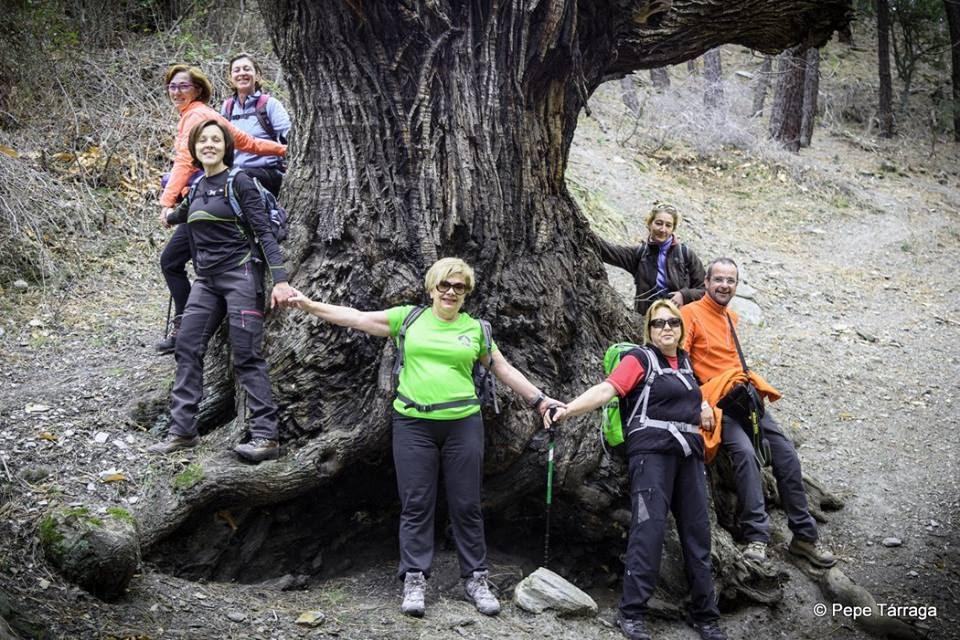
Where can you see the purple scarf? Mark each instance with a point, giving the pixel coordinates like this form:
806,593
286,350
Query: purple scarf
662,264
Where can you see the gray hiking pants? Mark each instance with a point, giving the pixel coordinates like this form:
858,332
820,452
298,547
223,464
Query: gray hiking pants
238,294
421,448
754,522
662,483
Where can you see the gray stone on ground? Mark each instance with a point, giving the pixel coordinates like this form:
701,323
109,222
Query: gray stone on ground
892,542
748,310
543,589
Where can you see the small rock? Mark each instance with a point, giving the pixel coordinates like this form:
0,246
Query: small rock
543,589
101,437
236,616
35,323
748,310
20,285
892,542
912,574
44,584
311,618
36,408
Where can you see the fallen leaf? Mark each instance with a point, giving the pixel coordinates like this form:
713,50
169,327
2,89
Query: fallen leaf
311,618
113,477
228,518
46,435
7,151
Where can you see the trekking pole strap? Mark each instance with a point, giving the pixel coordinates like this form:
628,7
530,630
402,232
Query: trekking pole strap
426,408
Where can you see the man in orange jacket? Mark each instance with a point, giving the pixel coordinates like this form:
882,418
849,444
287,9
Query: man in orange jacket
713,353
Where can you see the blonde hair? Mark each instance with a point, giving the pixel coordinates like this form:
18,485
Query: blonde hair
663,207
197,77
446,267
662,303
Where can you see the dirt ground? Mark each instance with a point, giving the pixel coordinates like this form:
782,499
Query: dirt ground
852,254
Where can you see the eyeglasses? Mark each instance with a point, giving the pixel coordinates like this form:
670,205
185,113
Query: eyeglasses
660,323
458,287
182,87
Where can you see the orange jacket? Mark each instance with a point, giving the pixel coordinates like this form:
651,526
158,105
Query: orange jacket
713,354
192,115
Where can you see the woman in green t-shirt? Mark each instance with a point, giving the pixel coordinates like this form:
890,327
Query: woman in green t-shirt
437,423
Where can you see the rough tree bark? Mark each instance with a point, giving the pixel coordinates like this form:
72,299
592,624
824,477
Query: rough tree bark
761,85
713,81
885,105
811,90
786,114
432,129
953,20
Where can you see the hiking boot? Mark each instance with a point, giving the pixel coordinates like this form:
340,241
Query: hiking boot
812,551
477,588
414,590
707,630
169,344
633,628
756,550
174,443
258,449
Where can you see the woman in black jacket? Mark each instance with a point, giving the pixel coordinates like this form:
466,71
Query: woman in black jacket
657,390
661,266
232,243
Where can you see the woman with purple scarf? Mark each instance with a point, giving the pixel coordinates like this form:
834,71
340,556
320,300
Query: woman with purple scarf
661,266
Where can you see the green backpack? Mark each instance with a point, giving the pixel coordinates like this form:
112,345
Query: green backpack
611,423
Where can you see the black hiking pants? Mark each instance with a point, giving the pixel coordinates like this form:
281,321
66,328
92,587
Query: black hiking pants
238,294
270,177
662,483
754,522
421,448
173,264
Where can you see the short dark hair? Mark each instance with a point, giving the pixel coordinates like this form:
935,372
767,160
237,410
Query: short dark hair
253,61
228,144
197,77
728,261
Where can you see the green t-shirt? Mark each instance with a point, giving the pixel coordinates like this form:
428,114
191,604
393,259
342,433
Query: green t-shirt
438,362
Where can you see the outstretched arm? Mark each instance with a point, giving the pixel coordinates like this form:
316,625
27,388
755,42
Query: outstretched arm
593,398
518,383
373,322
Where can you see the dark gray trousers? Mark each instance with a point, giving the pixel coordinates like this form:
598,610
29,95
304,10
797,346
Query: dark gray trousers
754,522
238,294
420,449
662,482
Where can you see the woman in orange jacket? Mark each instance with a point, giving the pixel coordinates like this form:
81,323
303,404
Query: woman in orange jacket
190,92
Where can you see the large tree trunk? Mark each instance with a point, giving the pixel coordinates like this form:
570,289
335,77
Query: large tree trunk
660,78
713,81
786,114
435,129
953,19
885,105
811,89
761,84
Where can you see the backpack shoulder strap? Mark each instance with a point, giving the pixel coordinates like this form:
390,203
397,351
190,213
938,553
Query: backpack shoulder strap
263,117
652,370
226,110
401,338
231,193
487,339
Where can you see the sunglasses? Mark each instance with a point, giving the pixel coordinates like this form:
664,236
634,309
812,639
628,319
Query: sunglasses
458,287
182,87
660,323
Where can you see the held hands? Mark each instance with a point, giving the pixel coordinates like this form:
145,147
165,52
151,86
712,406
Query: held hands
553,414
281,294
297,300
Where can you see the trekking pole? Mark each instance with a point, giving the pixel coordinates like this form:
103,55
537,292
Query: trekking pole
166,326
551,440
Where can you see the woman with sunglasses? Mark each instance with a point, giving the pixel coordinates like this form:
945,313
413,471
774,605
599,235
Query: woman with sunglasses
437,423
189,91
659,393
661,266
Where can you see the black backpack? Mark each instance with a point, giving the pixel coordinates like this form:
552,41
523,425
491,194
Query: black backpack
484,381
